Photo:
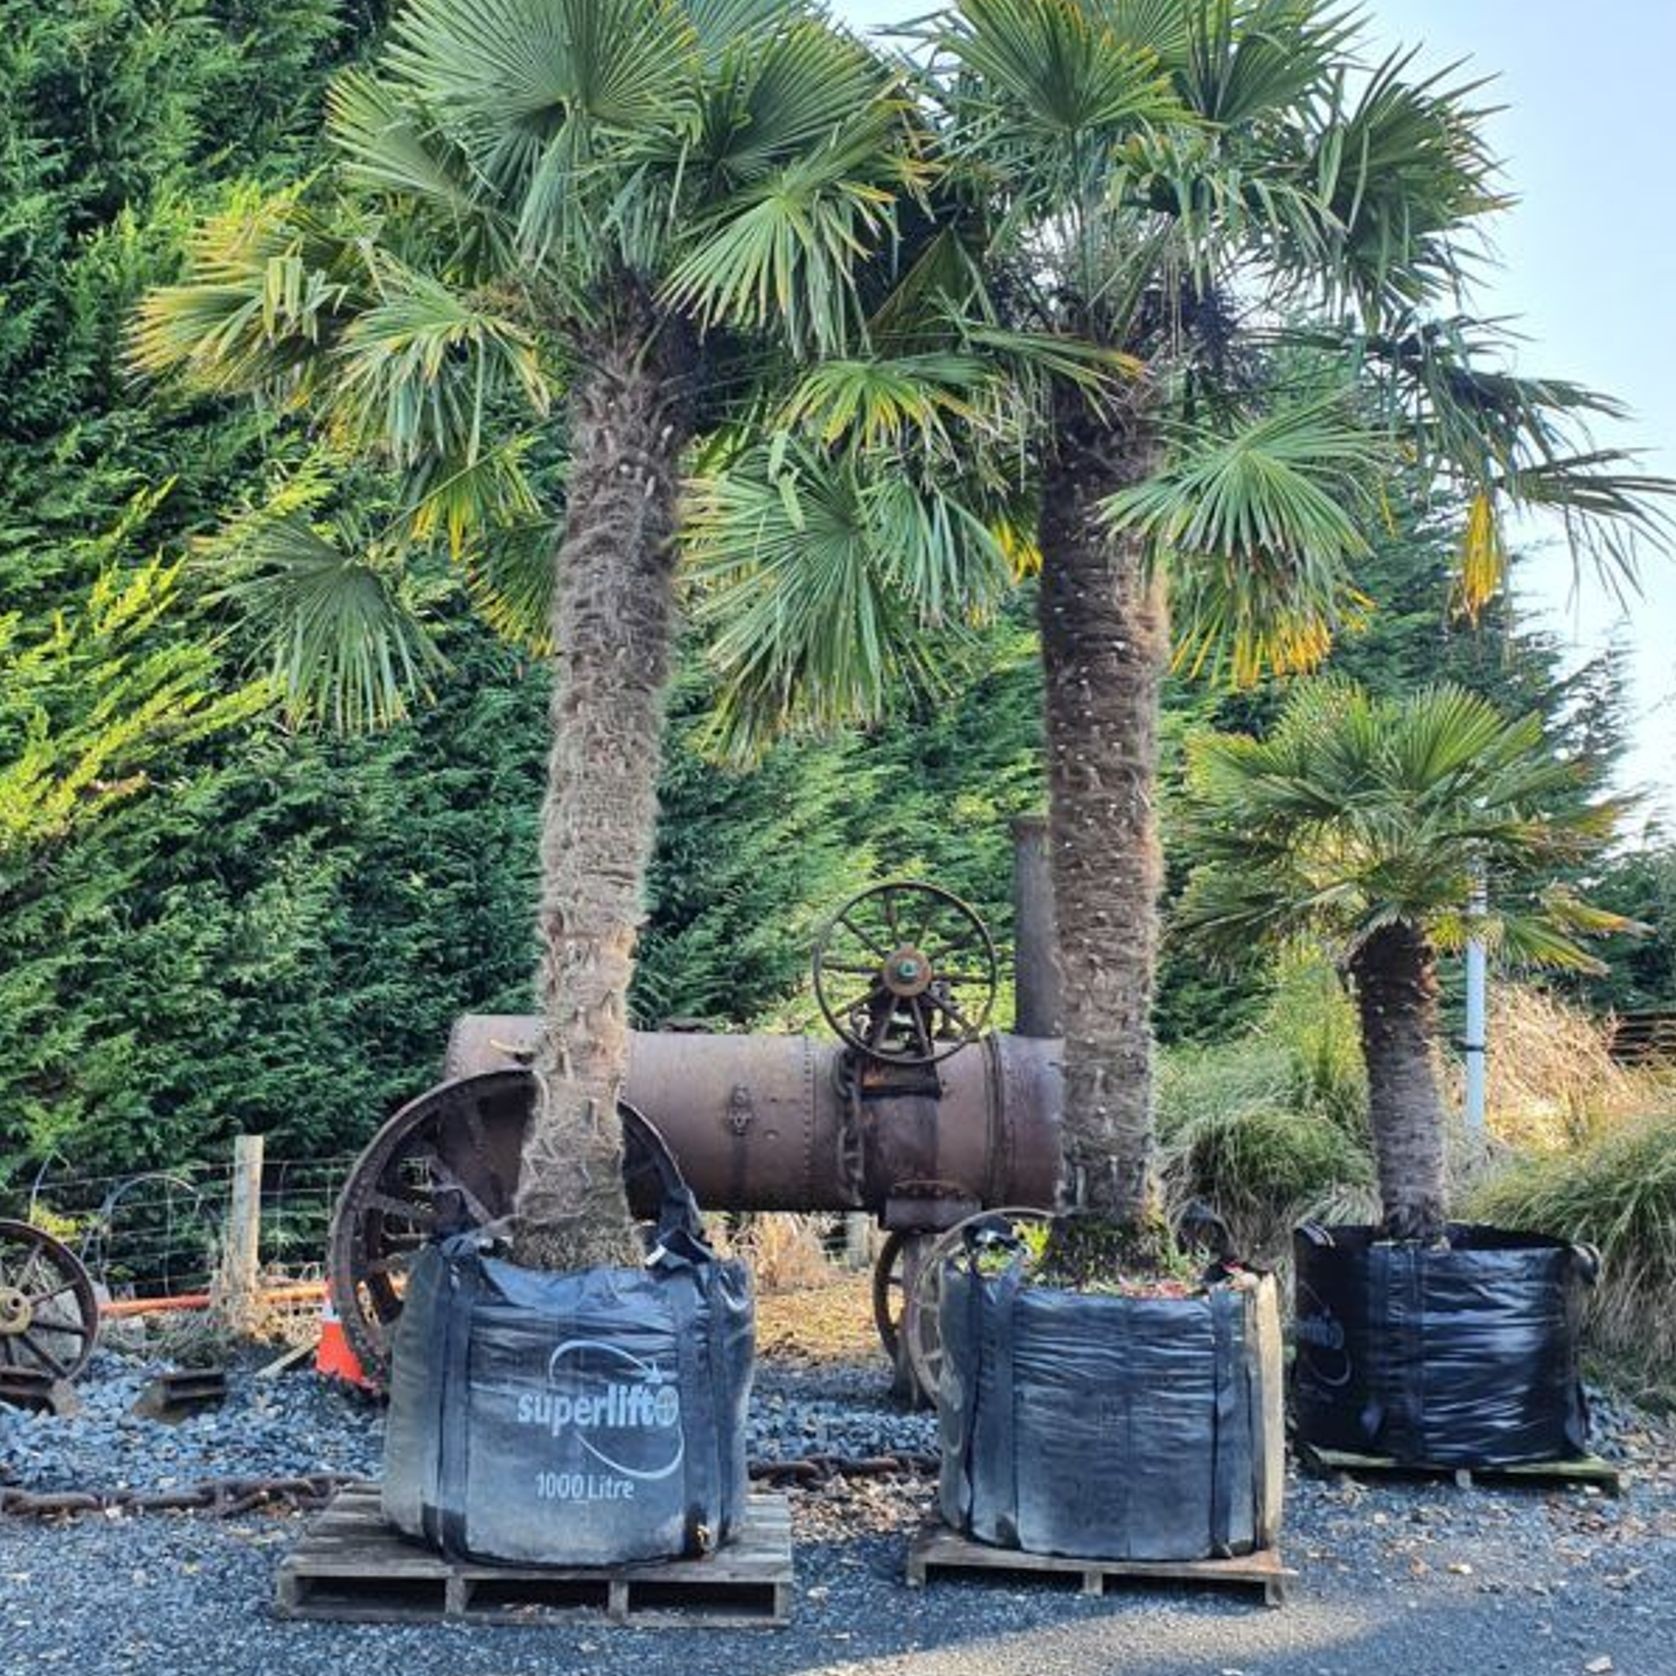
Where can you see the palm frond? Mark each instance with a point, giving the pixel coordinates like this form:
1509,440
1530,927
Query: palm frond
1517,441
510,578
823,588
881,402
467,500
421,369
784,252
387,144
272,285
1054,76
624,64
1404,173
773,101
1258,523
1244,61
344,629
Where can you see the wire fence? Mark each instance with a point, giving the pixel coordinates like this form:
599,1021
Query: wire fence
184,1232
161,1233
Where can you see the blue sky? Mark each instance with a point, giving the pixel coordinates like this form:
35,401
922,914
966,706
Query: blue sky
1588,267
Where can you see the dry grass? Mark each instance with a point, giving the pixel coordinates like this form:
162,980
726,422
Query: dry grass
810,1307
1552,1083
832,1322
1618,1193
786,1250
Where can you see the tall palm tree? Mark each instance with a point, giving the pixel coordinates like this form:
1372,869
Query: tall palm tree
632,212
1267,241
1364,822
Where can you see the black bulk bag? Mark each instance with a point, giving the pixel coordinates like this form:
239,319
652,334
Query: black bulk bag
1462,1355
570,1419
1109,1427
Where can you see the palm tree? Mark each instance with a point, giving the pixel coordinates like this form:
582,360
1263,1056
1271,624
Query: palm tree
634,212
1364,822
1267,243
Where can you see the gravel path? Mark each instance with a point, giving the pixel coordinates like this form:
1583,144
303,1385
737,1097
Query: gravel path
1397,1579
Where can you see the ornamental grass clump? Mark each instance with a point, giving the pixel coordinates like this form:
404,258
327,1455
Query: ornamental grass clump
1617,1193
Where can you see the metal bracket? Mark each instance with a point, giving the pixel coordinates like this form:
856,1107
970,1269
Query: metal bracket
741,1112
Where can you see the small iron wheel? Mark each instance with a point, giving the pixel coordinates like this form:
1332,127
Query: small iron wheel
887,1292
924,1292
49,1313
905,973
908,1334
444,1164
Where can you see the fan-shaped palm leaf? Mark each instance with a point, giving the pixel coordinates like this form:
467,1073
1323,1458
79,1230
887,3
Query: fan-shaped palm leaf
819,585
344,630
273,287
1404,174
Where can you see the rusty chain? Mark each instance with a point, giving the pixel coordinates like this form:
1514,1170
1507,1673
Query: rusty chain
227,1498
222,1498
813,1471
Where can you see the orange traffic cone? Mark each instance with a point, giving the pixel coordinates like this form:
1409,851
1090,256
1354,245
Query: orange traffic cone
334,1357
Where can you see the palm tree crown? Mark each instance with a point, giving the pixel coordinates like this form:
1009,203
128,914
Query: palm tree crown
1366,823
522,186
1359,812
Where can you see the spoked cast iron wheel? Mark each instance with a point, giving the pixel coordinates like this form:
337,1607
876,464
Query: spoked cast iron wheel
905,973
907,1292
49,1314
445,1164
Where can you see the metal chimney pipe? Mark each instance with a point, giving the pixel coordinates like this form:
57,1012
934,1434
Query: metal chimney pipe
1035,934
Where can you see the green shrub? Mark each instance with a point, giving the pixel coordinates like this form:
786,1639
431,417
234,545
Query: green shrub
1270,1128
1264,1170
1314,1022
1617,1193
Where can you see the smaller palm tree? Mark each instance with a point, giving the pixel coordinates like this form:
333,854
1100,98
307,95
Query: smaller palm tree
1364,822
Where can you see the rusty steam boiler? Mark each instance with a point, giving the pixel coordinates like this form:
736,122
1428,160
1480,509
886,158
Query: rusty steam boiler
916,1113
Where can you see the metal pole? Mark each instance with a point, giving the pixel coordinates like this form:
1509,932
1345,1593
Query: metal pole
1474,1046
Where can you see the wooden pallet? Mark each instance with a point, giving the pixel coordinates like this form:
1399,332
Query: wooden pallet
180,1393
939,1551
352,1566
38,1391
1588,1469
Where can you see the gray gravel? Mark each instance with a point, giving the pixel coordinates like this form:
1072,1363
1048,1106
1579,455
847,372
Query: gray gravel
1397,1579
279,1428
298,1424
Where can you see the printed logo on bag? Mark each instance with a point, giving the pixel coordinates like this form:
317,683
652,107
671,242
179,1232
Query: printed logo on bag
622,1410
1319,1335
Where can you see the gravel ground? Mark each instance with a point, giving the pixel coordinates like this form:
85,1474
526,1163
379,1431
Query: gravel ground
1402,1579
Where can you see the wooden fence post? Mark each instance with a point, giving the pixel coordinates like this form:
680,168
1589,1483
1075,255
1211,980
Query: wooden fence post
241,1253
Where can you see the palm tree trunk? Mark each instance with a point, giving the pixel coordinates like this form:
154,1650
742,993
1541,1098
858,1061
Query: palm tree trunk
1105,645
1395,976
613,627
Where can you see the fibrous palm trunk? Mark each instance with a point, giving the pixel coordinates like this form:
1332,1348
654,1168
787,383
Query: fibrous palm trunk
1105,645
1395,977
613,626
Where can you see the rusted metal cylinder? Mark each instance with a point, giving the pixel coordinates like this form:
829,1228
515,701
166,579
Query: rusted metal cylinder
771,1122
1036,983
